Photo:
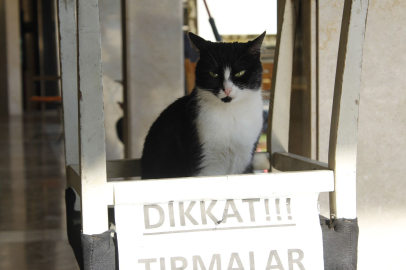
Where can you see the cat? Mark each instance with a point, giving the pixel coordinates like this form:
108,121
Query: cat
215,129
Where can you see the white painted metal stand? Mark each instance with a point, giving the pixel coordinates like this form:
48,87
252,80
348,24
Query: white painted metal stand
344,124
344,120
88,171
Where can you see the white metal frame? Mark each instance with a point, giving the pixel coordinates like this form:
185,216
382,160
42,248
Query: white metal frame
344,120
88,171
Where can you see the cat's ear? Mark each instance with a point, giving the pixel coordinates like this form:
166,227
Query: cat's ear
196,41
254,47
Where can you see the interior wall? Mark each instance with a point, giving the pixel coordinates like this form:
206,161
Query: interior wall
381,200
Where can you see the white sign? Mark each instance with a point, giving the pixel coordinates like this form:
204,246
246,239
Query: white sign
248,234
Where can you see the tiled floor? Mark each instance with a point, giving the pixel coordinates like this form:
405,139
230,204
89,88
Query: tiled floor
32,183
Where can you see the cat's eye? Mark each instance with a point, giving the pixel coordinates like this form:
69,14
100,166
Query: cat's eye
239,74
214,75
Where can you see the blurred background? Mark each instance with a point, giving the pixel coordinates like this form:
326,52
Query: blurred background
148,63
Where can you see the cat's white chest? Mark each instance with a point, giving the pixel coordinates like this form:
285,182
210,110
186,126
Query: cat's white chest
228,132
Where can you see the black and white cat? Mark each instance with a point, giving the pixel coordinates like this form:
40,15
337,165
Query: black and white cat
215,129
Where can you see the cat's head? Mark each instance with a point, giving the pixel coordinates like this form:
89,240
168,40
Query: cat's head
229,71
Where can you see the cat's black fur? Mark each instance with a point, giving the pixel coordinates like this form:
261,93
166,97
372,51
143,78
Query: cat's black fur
172,147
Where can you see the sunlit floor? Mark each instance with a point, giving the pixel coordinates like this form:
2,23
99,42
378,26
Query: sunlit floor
32,184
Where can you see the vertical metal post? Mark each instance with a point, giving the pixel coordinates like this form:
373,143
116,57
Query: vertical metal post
281,86
344,119
69,78
309,26
92,148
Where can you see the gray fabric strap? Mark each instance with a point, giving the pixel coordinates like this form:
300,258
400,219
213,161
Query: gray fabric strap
340,243
99,251
93,252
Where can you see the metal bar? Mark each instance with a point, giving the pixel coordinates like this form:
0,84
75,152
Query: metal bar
279,107
287,162
309,23
69,78
123,168
201,187
132,167
227,187
92,148
344,120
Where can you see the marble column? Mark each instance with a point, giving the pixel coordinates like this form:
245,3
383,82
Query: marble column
10,60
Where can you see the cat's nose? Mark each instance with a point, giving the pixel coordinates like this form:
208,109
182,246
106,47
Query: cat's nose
227,91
